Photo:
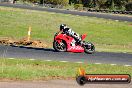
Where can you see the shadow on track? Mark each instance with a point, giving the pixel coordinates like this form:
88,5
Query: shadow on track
44,49
35,48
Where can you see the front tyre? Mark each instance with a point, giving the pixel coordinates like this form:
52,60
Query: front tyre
89,48
59,47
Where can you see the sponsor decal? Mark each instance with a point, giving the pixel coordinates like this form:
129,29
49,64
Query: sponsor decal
84,78
75,47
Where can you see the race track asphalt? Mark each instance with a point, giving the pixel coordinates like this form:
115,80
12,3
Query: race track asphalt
50,54
90,14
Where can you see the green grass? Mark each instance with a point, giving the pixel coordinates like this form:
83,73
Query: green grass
21,69
107,35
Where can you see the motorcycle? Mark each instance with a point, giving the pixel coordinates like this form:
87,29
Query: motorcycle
65,43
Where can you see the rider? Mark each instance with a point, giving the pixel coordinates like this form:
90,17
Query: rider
70,32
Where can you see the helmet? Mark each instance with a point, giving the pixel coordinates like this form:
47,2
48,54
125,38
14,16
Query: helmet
62,26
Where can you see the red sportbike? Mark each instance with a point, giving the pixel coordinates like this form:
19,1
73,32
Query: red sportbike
63,42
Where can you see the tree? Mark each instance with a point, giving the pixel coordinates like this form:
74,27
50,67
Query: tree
57,2
128,6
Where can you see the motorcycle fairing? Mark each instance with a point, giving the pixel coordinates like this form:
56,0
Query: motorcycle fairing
68,40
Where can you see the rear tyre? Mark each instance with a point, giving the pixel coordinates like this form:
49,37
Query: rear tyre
89,48
59,47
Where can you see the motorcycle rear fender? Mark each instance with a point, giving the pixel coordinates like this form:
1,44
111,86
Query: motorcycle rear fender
83,36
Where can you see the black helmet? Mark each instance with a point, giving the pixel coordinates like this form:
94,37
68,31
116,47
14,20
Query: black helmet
62,26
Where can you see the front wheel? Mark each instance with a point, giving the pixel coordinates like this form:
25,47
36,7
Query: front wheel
89,48
59,47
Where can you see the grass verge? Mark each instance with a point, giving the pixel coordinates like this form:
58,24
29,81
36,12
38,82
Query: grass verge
24,69
107,35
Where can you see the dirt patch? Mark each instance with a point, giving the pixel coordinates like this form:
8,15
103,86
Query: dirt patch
37,79
24,42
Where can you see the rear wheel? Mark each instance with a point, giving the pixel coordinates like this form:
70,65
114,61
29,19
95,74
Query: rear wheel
59,47
89,48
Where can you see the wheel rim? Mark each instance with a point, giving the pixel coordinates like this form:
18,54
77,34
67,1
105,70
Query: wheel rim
61,46
90,47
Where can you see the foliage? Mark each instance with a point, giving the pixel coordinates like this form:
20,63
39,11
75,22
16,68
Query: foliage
102,4
129,6
57,2
78,6
32,1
